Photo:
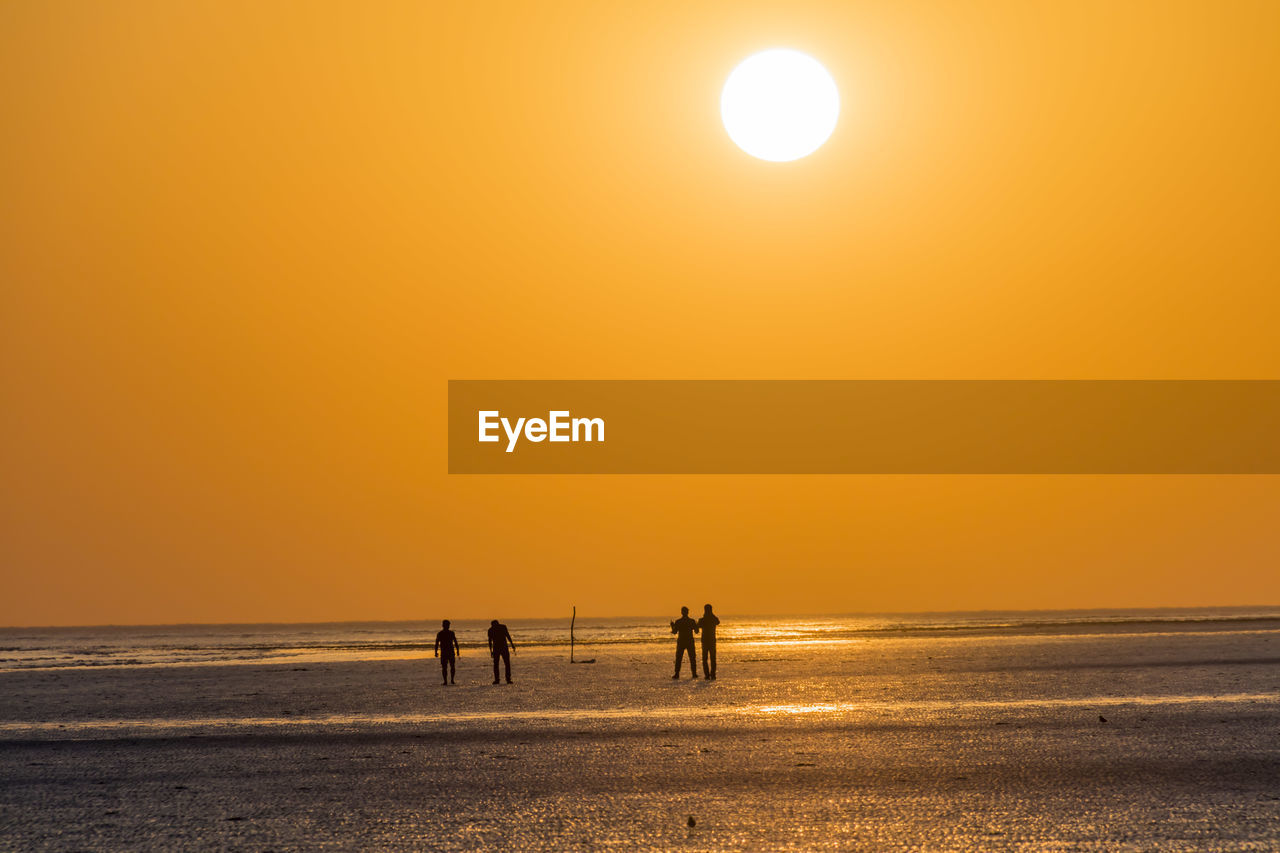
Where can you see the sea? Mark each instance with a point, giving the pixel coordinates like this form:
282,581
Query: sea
48,648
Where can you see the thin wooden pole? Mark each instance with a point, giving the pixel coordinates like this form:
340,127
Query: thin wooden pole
571,622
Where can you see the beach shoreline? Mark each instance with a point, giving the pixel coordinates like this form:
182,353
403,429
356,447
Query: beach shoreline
1070,741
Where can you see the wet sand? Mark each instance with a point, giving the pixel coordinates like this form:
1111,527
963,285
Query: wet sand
943,742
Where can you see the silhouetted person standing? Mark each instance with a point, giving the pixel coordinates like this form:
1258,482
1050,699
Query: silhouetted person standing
447,640
500,646
683,628
708,624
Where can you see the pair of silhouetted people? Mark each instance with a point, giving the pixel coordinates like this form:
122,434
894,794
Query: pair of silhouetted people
684,628
500,647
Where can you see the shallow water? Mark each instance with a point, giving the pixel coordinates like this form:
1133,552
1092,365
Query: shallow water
169,645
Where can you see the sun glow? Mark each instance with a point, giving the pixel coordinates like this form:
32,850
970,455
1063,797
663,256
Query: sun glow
779,105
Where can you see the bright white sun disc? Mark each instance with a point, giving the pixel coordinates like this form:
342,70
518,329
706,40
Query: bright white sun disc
779,105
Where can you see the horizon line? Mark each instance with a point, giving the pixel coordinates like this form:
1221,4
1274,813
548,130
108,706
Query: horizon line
746,615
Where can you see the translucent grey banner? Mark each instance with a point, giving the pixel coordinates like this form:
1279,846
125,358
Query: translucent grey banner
864,427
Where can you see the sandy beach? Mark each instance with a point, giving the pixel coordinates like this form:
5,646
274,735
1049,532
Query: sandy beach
969,740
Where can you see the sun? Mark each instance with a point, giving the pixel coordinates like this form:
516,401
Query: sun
779,105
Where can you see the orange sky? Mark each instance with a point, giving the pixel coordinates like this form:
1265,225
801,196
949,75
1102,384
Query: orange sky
243,246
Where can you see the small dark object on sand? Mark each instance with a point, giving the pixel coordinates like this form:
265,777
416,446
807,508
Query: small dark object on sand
692,822
1101,719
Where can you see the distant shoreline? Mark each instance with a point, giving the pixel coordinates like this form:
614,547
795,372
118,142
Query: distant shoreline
585,619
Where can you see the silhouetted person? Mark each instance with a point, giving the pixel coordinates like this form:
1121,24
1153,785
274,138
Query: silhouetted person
447,640
500,646
708,624
683,628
